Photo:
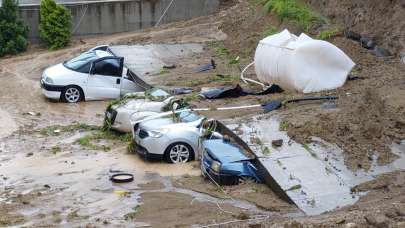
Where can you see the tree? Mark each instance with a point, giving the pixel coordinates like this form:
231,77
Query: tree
13,33
55,24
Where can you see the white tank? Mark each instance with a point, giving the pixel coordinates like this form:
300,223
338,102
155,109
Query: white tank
301,63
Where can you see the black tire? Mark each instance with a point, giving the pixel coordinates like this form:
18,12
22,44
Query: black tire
178,145
72,94
122,178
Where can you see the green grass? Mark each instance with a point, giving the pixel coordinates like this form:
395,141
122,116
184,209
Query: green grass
271,30
294,10
329,33
57,129
306,147
191,97
163,71
224,78
284,125
87,141
295,187
56,149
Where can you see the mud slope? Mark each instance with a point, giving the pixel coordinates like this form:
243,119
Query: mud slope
382,20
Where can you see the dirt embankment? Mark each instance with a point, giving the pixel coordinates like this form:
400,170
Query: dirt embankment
371,110
382,20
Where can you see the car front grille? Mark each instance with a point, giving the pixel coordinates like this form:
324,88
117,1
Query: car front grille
143,134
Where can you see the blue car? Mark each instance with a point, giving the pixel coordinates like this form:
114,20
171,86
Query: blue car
226,163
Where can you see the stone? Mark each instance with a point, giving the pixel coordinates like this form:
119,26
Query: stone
351,225
277,143
367,42
379,220
402,56
381,52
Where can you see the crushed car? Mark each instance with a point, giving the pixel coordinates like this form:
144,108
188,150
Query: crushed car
226,160
171,136
97,74
120,114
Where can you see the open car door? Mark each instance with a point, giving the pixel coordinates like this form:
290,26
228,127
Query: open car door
132,83
105,78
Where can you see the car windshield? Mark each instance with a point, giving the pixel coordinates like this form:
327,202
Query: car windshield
187,117
82,62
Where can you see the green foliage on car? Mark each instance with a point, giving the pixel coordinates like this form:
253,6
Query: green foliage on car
13,32
55,25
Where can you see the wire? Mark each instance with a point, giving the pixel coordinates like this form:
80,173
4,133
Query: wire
80,20
164,13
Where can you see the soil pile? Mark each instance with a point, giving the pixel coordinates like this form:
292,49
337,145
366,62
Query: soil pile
382,20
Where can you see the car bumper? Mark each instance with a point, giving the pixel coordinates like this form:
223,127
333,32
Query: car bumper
51,91
152,147
220,178
146,154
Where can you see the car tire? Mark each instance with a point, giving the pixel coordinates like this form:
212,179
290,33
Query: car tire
179,153
246,179
72,94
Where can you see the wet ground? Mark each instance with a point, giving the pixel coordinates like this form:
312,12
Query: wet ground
48,178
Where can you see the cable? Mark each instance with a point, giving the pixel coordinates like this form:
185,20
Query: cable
80,20
164,13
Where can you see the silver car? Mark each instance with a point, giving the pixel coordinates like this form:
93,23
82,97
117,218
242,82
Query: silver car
119,116
173,137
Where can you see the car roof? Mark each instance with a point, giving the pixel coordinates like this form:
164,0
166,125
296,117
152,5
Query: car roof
102,54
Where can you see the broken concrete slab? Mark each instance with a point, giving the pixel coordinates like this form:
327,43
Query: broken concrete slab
313,176
149,59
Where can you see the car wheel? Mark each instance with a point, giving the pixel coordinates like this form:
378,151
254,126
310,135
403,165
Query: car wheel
247,179
72,94
179,153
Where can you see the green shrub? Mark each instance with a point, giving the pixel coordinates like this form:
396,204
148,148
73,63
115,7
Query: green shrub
329,33
13,33
55,24
294,10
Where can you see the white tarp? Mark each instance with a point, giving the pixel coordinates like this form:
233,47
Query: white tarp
301,63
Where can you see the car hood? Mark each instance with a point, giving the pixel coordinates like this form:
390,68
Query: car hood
139,105
58,71
224,152
156,123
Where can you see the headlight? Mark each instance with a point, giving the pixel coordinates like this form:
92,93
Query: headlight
216,166
48,80
157,133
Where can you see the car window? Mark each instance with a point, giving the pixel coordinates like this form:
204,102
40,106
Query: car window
82,62
108,67
187,117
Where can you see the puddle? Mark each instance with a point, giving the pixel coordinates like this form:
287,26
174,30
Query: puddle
149,59
313,176
7,123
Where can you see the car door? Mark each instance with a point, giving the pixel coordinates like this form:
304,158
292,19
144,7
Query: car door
131,83
104,81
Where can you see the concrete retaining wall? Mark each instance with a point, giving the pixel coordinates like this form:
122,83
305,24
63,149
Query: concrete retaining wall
107,17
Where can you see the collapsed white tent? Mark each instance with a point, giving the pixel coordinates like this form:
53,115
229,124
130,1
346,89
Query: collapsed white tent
300,63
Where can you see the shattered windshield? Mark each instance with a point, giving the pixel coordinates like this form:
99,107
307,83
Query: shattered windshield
187,117
82,62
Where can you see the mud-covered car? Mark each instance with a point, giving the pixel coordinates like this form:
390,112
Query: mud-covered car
93,75
173,137
132,108
224,159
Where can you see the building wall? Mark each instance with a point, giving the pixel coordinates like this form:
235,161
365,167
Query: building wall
107,17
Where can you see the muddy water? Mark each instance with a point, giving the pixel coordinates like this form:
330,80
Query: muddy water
76,181
7,124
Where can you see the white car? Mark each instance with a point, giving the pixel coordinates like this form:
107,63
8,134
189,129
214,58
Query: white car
173,137
94,75
120,116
